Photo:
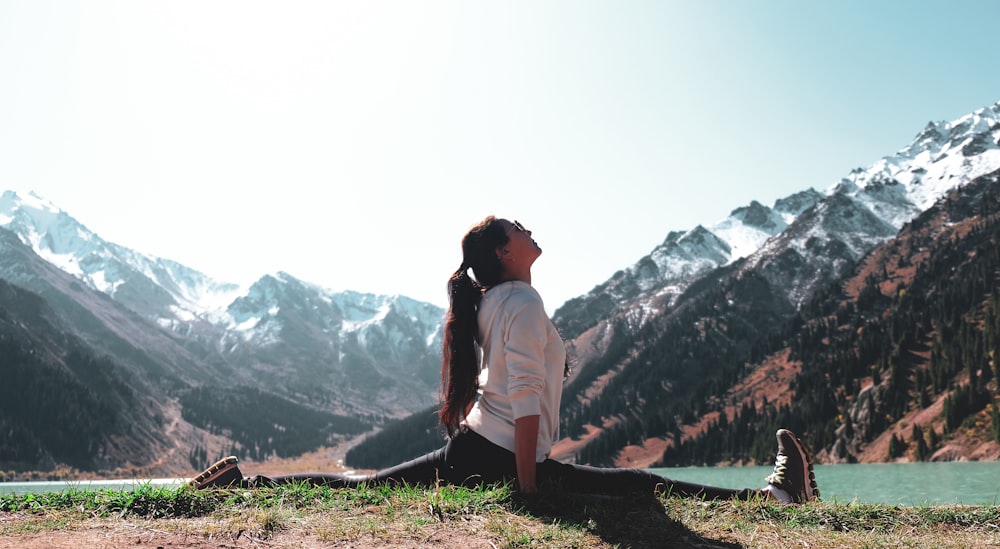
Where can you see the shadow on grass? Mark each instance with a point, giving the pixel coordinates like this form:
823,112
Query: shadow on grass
620,521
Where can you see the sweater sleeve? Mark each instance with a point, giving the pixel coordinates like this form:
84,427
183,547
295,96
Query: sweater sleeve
524,350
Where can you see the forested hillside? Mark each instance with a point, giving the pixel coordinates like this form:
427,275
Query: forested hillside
276,427
399,441
903,351
670,372
59,402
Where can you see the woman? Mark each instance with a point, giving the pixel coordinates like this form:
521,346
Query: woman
501,375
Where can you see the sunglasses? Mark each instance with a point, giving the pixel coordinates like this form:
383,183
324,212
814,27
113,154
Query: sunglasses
517,225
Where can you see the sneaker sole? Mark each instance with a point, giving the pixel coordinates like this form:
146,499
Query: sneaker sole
812,491
216,470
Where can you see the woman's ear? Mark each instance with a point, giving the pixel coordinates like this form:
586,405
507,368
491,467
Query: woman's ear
503,253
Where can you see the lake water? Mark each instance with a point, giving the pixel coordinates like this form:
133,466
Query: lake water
908,484
121,484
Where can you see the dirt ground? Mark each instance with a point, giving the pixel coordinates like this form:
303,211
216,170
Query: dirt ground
196,533
101,539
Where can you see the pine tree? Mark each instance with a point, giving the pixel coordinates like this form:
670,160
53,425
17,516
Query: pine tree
896,447
921,445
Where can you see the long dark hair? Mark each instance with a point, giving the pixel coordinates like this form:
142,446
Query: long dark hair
460,363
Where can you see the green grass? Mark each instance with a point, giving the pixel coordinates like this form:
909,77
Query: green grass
493,516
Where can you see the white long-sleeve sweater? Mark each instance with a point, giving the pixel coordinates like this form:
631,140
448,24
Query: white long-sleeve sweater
523,360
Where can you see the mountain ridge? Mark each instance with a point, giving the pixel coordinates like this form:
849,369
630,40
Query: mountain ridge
821,245
893,190
690,314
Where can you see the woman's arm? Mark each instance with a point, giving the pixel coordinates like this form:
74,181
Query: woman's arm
525,444
524,354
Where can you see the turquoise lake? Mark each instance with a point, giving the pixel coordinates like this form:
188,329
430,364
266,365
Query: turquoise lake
909,484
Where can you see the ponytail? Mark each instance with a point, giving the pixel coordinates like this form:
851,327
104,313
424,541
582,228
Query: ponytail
460,364
460,356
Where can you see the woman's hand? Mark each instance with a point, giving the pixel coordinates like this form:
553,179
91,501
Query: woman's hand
525,444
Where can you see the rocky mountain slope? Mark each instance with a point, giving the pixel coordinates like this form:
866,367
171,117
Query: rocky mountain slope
896,361
655,365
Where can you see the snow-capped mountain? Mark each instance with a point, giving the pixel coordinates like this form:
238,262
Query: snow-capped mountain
378,352
705,327
871,205
186,357
156,287
821,230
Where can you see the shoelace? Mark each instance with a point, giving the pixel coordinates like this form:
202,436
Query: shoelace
778,476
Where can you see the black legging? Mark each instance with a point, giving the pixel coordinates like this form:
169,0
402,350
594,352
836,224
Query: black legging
469,459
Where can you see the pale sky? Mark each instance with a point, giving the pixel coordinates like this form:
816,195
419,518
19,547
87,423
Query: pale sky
351,144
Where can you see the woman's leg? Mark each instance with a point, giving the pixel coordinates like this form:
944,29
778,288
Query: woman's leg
423,470
621,481
701,491
467,459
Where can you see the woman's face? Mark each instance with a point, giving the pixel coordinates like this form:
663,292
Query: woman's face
520,246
